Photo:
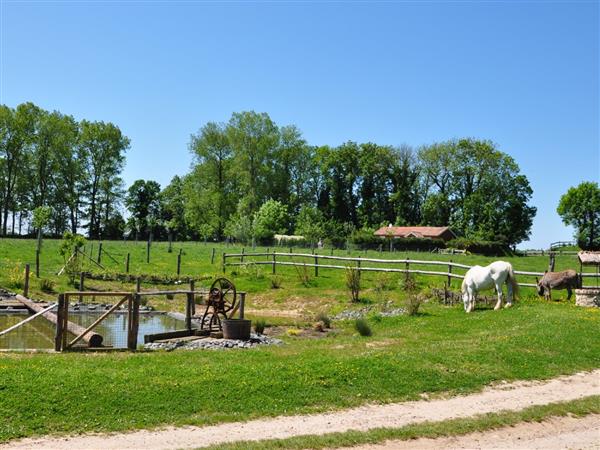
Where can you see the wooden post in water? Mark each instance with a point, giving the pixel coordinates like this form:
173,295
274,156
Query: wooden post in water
189,305
26,283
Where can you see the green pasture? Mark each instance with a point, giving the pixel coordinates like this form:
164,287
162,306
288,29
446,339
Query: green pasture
440,350
325,291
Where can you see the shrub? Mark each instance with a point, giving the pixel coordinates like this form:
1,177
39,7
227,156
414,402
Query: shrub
487,248
383,281
413,302
46,285
353,282
303,274
16,277
259,326
323,317
363,328
275,282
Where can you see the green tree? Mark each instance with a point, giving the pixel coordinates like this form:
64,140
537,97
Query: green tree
254,140
272,218
17,128
580,208
143,203
213,179
310,223
104,148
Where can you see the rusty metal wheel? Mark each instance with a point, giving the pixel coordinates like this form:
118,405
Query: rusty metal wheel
223,296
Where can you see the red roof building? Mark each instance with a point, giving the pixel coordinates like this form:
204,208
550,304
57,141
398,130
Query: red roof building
443,233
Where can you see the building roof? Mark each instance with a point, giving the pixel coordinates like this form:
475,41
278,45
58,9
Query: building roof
419,232
589,258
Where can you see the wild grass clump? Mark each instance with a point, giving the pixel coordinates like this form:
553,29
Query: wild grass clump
414,299
363,328
323,317
253,271
353,283
260,325
46,285
276,282
383,282
16,277
303,274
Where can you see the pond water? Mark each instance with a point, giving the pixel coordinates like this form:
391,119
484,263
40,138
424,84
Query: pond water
39,333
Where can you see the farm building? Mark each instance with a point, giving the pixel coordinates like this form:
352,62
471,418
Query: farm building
443,233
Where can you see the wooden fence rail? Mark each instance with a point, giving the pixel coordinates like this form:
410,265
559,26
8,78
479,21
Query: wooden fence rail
273,262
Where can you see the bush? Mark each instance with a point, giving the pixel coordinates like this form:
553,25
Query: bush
16,277
363,328
259,326
303,274
353,282
414,299
275,282
487,248
323,317
383,281
46,285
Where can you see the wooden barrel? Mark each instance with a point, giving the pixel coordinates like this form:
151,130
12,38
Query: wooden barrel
236,329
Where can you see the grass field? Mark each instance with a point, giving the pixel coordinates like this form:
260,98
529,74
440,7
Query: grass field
440,350
327,291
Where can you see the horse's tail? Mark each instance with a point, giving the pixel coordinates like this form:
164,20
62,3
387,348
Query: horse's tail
512,280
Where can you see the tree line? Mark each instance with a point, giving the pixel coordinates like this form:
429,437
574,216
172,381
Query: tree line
251,179
49,160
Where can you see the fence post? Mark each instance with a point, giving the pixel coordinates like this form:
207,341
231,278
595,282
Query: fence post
148,251
135,323
407,268
291,250
58,337
37,263
127,263
193,289
81,281
274,262
358,263
242,304
179,264
449,276
26,283
212,256
223,262
316,266
242,258
100,253
188,307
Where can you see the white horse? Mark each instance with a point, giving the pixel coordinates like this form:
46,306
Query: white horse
495,275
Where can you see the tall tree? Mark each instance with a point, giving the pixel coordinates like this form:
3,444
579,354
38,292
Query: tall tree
16,136
580,208
104,147
215,179
253,138
143,203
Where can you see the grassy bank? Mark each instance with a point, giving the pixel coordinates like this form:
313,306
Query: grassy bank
440,350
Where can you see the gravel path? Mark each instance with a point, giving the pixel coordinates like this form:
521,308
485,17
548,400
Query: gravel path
552,434
508,396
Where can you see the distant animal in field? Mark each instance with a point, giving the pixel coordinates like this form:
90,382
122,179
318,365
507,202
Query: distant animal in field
567,279
495,275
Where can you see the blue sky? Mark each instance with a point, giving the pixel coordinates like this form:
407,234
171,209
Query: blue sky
522,74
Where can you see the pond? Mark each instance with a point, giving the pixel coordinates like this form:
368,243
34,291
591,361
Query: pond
39,333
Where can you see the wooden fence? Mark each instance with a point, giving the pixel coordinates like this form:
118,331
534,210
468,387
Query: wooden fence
274,259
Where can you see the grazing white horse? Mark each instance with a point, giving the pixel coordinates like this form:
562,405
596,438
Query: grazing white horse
495,275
